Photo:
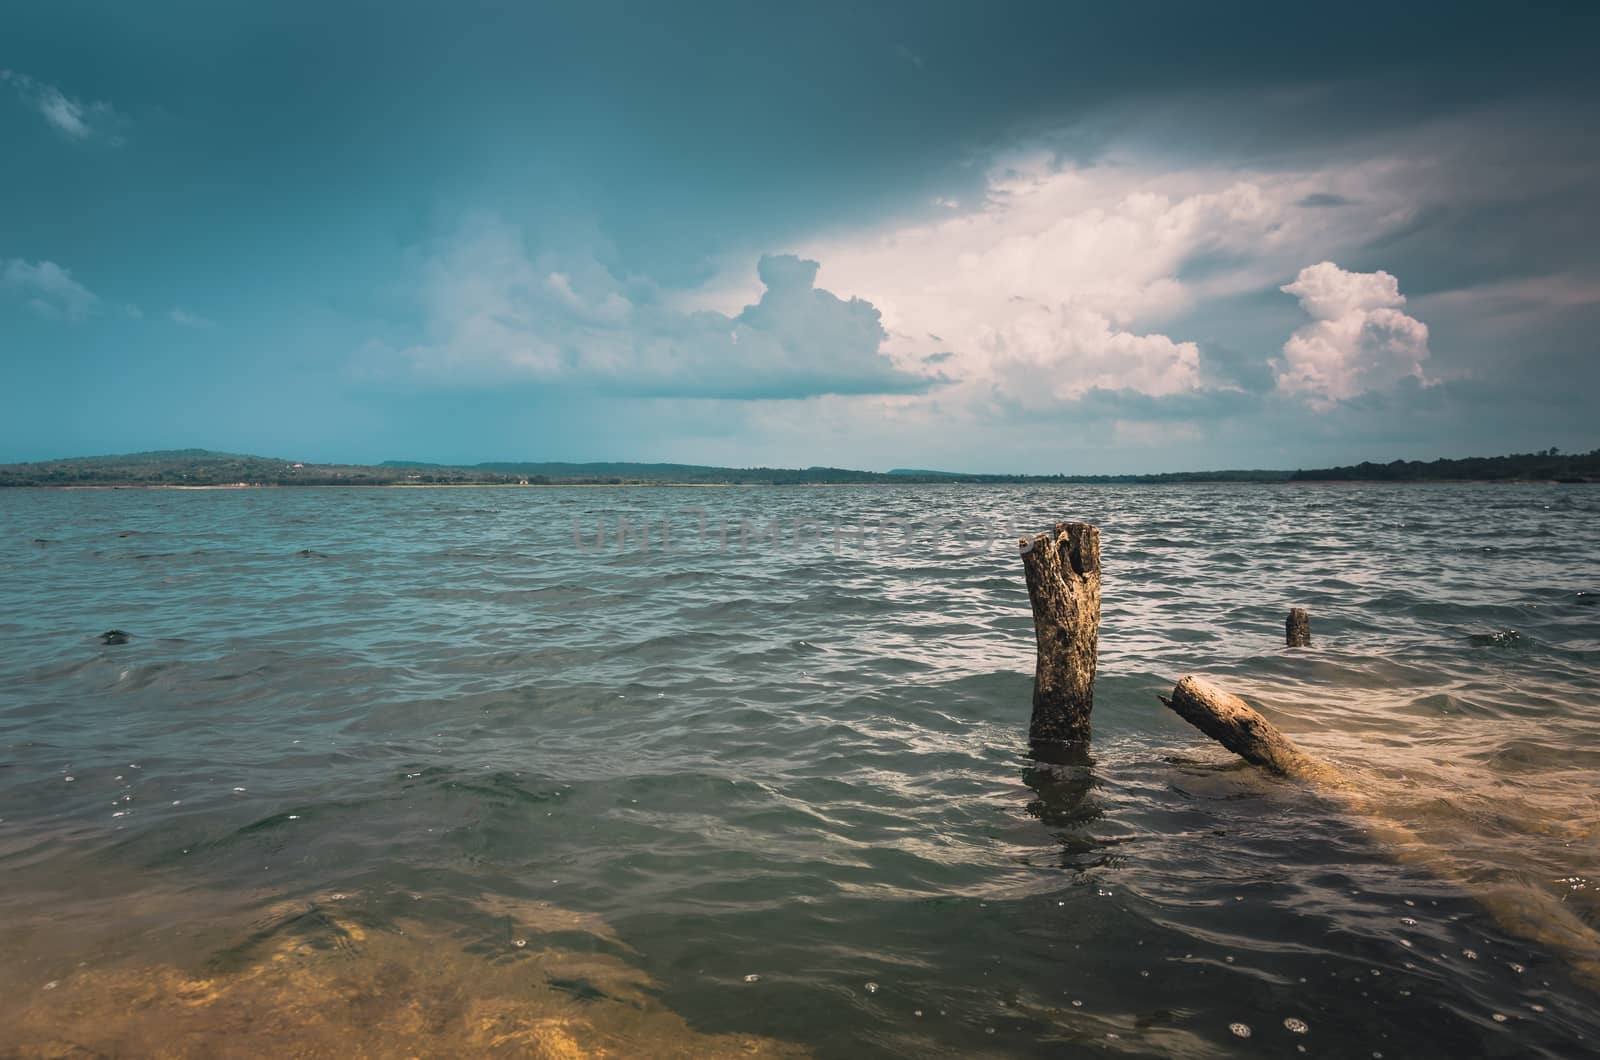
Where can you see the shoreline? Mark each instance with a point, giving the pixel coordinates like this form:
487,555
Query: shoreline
224,486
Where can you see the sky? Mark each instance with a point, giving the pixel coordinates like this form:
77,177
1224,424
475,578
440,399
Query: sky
1009,237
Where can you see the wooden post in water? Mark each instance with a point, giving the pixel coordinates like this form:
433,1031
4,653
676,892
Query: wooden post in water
1297,630
1063,571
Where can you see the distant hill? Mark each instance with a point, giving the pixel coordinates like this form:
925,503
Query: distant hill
922,474
202,467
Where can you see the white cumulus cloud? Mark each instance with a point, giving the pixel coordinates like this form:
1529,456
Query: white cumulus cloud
48,289
1050,354
1358,339
1065,278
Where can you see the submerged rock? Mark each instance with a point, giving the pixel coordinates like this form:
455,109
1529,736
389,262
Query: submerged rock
356,980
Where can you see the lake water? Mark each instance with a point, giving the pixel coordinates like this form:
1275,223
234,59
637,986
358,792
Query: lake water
419,772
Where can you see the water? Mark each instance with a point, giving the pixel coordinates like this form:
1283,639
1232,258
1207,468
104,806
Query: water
412,769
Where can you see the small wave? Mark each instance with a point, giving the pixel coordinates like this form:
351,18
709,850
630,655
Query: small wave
1501,640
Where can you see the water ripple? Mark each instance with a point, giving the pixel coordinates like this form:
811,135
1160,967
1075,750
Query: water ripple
804,762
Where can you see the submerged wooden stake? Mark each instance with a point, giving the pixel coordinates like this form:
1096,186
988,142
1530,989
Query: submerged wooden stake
1297,630
1063,572
1520,908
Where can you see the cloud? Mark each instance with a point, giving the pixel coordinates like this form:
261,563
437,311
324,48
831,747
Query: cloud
493,312
72,118
1523,296
1358,340
907,55
48,289
1322,200
184,318
1066,277
1052,354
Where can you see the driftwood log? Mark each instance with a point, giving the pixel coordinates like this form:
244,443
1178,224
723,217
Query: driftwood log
1240,728
1063,573
1521,909
1297,630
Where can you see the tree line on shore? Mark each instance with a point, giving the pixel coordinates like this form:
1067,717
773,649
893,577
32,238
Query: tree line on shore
1551,465
200,467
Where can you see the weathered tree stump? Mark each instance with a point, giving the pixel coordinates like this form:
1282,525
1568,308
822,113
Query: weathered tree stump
1063,573
1297,630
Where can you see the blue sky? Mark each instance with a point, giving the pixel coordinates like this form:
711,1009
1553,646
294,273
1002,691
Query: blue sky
1014,237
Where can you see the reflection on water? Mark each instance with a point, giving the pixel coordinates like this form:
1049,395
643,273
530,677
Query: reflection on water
1062,776
667,773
